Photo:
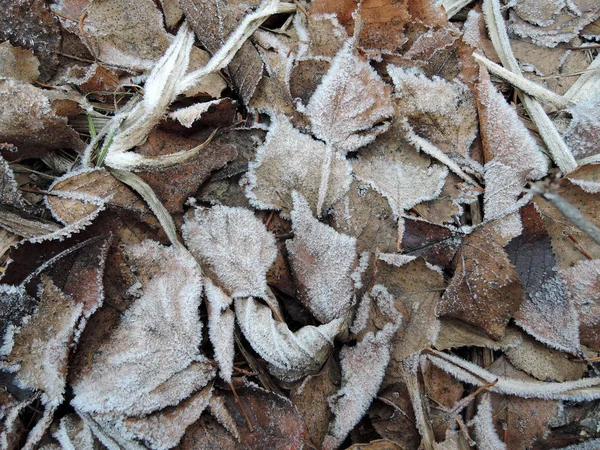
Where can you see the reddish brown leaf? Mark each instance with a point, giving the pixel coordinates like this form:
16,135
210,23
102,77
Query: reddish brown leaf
485,290
436,244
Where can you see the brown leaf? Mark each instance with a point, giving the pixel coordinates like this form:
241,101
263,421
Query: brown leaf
18,63
245,70
41,347
208,434
547,311
435,243
526,420
29,121
443,392
80,193
584,130
173,185
380,444
485,290
30,24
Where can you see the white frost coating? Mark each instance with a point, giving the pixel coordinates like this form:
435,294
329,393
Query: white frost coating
386,302
322,261
73,434
403,185
292,355
235,244
187,116
581,135
157,338
363,265
485,432
503,186
582,390
221,322
363,368
592,187
351,99
219,411
290,160
396,259
362,314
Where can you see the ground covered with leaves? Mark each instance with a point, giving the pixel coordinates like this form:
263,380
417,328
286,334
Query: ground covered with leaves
309,224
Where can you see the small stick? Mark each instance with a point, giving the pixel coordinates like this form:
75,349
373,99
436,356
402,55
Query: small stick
242,410
578,245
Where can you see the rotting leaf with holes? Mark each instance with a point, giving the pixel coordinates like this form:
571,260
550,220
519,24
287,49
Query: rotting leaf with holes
547,311
485,290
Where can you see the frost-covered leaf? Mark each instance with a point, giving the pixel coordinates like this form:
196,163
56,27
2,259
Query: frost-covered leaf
9,189
363,369
15,304
587,178
404,179
584,129
41,347
221,322
350,102
235,245
291,355
583,281
485,290
441,111
290,160
485,434
142,366
30,122
73,433
160,430
214,21
547,311
436,244
322,261
18,63
190,114
80,193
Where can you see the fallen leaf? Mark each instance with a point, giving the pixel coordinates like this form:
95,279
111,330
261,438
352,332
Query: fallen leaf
245,70
18,63
235,245
436,244
291,355
348,107
486,435
485,289
32,25
584,129
151,359
322,261
289,161
221,323
363,369
547,311
73,432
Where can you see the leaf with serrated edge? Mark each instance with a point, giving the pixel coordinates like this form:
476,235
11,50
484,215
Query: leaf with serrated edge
157,339
235,245
289,160
291,355
321,260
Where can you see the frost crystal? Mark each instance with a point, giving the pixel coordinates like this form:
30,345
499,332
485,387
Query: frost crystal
221,322
235,244
363,369
321,260
487,438
289,160
158,337
292,355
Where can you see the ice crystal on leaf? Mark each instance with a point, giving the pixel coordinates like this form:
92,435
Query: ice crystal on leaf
290,160
485,433
322,261
291,355
221,322
349,103
235,245
157,339
363,369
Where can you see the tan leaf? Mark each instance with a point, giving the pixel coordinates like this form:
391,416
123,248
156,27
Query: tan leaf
18,63
485,290
156,341
290,161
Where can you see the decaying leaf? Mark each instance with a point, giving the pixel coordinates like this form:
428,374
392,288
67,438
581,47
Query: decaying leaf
41,347
547,311
485,289
363,369
291,355
290,161
350,102
235,245
152,358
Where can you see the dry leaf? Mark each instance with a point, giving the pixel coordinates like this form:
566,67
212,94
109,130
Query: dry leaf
485,434
235,245
18,63
155,343
363,369
436,244
584,130
74,433
485,289
547,311
41,347
291,355
290,161
349,105
322,261
221,322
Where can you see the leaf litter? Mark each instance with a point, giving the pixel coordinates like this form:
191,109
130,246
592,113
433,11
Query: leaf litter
366,221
